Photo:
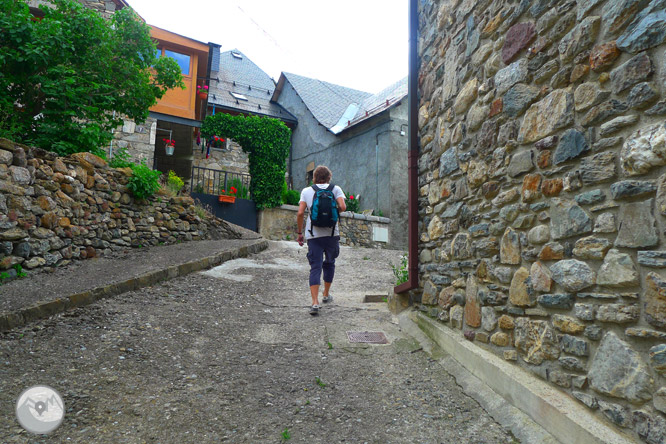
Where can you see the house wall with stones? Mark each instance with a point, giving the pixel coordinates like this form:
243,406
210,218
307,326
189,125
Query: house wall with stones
57,209
543,192
231,158
138,140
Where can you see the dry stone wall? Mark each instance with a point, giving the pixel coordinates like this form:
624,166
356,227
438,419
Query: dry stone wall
57,209
543,192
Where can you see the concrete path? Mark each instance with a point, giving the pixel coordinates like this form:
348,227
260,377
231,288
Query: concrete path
232,355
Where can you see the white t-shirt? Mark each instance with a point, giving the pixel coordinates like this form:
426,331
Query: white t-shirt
307,196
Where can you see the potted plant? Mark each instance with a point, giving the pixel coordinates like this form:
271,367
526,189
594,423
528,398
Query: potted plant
202,91
217,142
228,196
169,146
353,204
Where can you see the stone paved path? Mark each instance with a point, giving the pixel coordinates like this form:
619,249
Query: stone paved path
231,355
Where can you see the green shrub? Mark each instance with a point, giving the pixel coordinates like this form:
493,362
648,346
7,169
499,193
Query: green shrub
174,183
242,192
293,197
267,142
401,272
144,182
63,75
290,197
121,159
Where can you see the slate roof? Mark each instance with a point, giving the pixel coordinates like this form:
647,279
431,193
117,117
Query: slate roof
379,102
326,101
242,76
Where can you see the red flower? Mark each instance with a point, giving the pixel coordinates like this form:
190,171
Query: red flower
233,190
351,197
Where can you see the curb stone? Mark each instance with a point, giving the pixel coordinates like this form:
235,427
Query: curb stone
17,318
557,413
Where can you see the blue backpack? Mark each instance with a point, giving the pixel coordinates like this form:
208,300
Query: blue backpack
324,211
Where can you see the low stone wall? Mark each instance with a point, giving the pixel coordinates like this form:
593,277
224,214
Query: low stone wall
356,230
57,209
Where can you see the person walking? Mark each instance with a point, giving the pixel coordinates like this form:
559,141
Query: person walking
324,202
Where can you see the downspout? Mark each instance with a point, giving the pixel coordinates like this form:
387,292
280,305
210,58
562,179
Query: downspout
412,155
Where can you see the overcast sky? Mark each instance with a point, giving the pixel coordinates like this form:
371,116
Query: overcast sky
360,44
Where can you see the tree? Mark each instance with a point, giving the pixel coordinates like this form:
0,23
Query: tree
69,78
267,142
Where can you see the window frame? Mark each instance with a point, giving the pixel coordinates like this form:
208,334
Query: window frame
162,53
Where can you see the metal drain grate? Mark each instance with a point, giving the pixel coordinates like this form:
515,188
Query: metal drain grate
367,337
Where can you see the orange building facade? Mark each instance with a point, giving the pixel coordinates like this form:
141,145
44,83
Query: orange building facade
177,115
192,57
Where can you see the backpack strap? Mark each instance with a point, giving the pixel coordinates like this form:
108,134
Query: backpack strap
314,187
330,188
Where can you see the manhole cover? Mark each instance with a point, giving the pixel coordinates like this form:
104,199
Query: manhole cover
367,337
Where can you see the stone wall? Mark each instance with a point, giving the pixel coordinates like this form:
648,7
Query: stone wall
57,209
230,158
543,192
106,8
356,230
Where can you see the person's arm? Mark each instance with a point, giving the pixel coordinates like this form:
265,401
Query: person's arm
340,199
300,217
342,206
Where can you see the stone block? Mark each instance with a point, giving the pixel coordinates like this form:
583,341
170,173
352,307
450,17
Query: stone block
510,247
637,225
644,149
517,38
521,293
568,219
632,72
618,270
546,116
617,370
646,31
535,340
618,313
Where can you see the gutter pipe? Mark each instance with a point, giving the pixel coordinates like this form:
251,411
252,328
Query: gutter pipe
412,155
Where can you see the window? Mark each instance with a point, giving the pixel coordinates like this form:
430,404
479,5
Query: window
238,96
237,55
182,59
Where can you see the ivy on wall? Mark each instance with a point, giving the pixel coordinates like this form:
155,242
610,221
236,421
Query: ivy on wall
266,141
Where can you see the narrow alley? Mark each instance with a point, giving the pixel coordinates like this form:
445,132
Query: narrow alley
231,355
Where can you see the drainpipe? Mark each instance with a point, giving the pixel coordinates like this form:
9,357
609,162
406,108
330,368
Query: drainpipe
412,154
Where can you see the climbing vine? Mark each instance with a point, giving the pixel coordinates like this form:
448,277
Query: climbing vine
266,141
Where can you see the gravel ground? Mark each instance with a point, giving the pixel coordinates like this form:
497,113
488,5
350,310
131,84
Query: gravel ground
231,355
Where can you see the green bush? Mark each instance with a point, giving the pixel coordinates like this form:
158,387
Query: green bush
64,74
174,183
290,197
241,190
267,141
121,159
400,272
144,182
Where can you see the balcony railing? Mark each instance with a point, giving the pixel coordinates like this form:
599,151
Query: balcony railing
207,181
